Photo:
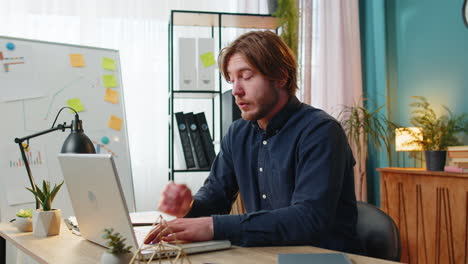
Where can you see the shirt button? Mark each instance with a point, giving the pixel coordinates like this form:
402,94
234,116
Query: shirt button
264,142
261,169
264,196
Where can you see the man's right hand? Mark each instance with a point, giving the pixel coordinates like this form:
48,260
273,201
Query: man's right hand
176,200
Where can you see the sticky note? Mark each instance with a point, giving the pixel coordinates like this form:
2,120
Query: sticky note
77,60
76,104
108,64
109,81
115,122
111,96
207,59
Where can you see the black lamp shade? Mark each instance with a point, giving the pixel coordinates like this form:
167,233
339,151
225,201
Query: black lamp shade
77,141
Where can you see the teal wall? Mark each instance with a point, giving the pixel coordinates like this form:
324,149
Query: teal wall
412,47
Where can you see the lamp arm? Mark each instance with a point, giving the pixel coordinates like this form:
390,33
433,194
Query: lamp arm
58,127
23,154
28,169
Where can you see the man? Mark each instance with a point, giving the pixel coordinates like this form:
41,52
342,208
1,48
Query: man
290,162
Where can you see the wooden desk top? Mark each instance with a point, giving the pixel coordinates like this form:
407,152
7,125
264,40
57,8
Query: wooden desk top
69,248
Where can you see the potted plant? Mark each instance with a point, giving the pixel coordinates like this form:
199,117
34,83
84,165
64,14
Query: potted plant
439,131
118,252
23,220
362,127
46,221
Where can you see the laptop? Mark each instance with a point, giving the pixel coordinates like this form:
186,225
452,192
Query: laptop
98,202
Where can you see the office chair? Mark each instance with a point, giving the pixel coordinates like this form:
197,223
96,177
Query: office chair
378,233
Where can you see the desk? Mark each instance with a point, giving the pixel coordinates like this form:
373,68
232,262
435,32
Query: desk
69,248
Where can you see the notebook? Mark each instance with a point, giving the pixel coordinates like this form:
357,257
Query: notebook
98,202
316,258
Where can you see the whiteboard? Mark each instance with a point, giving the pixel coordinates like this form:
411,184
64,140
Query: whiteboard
38,78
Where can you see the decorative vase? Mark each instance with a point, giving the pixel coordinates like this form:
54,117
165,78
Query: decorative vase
46,223
435,160
109,258
24,224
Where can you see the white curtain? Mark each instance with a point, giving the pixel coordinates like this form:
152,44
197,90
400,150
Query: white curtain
138,29
332,62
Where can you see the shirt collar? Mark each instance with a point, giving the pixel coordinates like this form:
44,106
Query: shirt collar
278,121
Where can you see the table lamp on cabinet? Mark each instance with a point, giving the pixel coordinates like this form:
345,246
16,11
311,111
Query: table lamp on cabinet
76,142
408,139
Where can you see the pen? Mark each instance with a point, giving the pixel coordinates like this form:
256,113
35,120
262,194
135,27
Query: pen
12,220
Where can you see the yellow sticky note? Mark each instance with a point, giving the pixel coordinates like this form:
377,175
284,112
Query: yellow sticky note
207,59
77,60
115,122
108,64
111,96
76,104
109,81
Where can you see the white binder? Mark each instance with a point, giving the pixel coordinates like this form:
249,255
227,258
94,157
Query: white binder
187,64
205,74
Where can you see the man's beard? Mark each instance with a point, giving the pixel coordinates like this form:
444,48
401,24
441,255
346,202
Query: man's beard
264,106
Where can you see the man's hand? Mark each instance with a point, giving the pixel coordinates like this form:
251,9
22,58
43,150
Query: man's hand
185,229
176,200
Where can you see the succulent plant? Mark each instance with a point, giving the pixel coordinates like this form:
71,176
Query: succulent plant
115,242
24,213
46,195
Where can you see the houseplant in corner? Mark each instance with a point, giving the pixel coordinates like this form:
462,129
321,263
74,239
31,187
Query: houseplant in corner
288,18
439,131
362,127
117,253
46,221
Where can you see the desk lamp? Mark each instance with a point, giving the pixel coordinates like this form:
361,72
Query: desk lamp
76,142
408,138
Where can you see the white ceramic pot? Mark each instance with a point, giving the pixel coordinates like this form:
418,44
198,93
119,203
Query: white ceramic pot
46,223
24,224
109,258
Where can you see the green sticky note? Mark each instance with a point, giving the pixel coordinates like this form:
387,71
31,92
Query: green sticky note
208,59
108,64
109,81
76,104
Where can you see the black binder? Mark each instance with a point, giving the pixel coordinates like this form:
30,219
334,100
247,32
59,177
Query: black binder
196,141
205,135
185,140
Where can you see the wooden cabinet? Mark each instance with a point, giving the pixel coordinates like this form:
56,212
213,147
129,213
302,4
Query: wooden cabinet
431,211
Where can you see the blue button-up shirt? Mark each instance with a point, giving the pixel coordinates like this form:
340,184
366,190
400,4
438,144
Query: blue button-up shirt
295,178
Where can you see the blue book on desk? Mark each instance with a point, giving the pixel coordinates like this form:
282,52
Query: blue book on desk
314,258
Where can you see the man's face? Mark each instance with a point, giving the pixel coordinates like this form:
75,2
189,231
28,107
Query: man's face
255,95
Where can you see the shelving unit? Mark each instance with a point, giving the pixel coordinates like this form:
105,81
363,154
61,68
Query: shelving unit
217,22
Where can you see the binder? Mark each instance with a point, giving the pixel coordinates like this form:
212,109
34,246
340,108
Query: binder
205,135
183,141
206,78
187,64
196,141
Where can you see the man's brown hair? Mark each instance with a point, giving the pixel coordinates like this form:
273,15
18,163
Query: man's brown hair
267,53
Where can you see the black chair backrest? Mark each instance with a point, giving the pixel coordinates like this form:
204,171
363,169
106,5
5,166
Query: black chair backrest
378,232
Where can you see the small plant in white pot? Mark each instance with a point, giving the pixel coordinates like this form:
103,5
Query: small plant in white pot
46,221
23,220
118,252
